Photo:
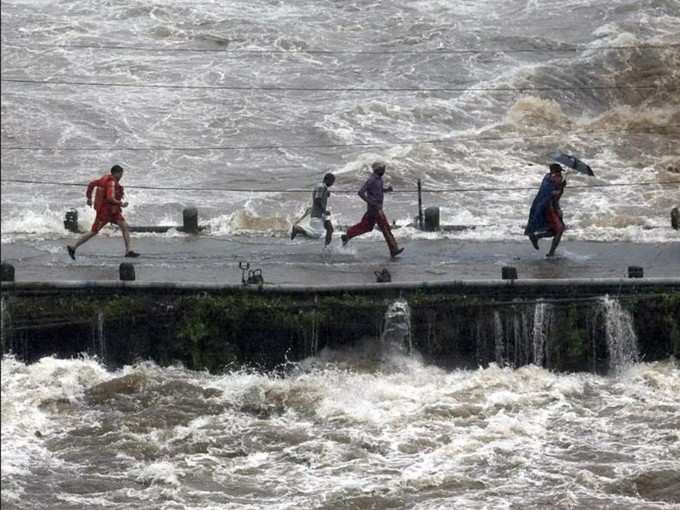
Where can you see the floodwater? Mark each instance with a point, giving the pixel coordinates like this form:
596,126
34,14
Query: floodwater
364,426
338,432
212,98
464,95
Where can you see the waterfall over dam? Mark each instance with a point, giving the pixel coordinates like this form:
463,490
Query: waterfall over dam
584,326
397,334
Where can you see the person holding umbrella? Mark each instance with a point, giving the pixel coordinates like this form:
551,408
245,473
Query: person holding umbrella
545,215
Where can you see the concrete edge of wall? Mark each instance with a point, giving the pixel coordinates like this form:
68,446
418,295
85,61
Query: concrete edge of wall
455,323
615,284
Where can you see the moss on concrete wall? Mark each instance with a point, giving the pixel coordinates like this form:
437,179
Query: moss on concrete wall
657,324
217,331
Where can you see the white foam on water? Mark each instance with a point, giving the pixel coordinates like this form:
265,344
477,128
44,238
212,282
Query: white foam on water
620,333
326,431
345,430
25,423
31,224
164,472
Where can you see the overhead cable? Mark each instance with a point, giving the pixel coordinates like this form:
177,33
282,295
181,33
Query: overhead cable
341,191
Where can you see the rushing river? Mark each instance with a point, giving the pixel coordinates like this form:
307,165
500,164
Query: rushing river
231,95
338,432
190,94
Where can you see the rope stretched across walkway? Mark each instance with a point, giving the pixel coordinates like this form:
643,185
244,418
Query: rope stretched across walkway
341,191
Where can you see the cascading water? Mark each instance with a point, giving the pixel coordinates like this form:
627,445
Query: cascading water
4,318
522,337
621,338
512,338
314,347
396,336
541,330
499,341
98,337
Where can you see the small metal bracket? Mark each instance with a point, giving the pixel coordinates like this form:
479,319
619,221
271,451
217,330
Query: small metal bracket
383,276
255,277
250,277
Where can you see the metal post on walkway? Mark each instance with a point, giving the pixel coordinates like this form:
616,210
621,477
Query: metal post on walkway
509,273
190,220
71,221
127,272
635,272
7,272
432,219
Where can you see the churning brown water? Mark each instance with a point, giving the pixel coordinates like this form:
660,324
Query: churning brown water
338,431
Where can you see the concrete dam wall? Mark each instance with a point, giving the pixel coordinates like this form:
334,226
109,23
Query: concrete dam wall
592,325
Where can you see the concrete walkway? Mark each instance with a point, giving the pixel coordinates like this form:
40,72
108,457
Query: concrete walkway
304,262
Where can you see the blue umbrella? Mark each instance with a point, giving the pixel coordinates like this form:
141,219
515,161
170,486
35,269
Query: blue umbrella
572,162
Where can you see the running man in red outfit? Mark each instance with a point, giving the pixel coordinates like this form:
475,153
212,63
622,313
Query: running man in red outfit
108,202
372,193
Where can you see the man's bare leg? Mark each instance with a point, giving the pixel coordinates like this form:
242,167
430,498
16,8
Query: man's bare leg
82,240
126,234
126,237
329,231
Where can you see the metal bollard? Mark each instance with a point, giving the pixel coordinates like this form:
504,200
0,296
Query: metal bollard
190,220
71,221
127,272
675,218
635,272
431,219
7,272
508,273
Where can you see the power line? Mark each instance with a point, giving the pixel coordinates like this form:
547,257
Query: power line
303,51
267,88
341,191
434,141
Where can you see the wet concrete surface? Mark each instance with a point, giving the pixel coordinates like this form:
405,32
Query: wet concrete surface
305,262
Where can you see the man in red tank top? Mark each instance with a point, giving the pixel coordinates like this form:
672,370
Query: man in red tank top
108,202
